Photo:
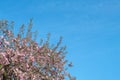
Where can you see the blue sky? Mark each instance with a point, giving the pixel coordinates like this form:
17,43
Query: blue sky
90,28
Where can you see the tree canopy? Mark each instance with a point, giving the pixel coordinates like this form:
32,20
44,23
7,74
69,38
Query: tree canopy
23,58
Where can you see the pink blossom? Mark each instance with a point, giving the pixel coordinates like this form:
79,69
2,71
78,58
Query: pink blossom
6,42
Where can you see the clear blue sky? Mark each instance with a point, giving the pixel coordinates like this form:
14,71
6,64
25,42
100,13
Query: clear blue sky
91,31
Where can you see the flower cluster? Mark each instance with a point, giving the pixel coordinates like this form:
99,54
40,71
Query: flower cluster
21,58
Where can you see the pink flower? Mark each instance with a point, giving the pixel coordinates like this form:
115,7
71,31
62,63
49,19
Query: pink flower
32,58
6,42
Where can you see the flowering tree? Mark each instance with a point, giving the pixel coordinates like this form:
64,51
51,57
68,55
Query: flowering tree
22,58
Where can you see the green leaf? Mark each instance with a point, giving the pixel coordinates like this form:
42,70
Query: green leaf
0,66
